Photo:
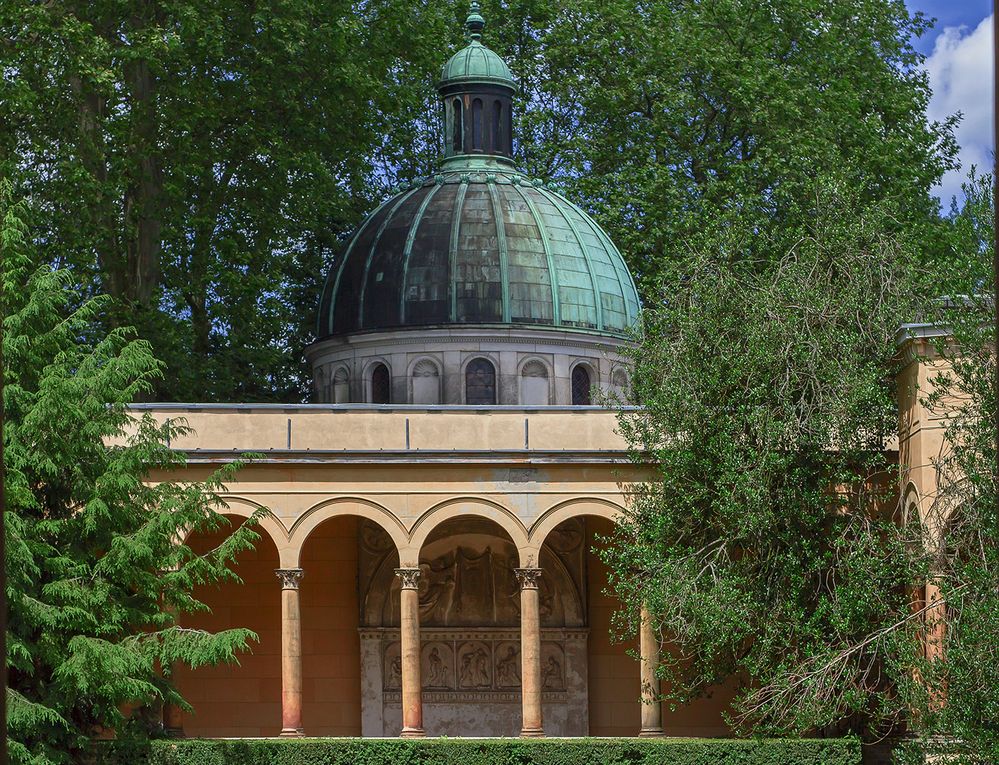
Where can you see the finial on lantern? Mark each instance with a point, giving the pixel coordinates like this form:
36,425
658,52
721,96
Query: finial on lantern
474,23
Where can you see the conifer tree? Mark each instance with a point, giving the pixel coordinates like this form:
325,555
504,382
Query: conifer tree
96,567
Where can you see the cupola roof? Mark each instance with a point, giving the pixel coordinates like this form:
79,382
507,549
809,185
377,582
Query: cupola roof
478,243
476,63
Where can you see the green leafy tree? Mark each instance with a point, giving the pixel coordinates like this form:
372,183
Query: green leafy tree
198,161
767,546
665,117
958,697
96,569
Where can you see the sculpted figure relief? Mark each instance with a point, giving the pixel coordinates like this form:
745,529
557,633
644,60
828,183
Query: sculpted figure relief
552,667
437,666
473,666
393,668
507,666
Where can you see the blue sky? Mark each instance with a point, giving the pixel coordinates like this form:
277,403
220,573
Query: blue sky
959,61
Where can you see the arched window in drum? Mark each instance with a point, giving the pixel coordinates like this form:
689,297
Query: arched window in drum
381,385
480,383
581,385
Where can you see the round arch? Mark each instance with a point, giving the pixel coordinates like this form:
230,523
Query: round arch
587,367
572,508
332,508
269,523
424,378
462,507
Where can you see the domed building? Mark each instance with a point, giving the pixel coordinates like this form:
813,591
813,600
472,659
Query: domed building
427,528
477,285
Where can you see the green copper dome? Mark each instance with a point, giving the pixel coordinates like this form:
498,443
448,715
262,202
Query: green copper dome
479,247
478,244
476,63
479,64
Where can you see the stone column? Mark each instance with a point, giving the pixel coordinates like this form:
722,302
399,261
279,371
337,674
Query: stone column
652,712
409,640
935,632
530,652
936,625
291,652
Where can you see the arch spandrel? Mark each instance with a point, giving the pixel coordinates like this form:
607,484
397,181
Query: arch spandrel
340,506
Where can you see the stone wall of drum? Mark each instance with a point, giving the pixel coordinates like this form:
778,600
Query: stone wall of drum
523,371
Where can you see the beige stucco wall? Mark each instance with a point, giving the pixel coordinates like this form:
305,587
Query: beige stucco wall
922,426
410,469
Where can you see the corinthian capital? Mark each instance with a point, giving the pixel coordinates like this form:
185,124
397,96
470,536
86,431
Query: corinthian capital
528,577
290,577
410,577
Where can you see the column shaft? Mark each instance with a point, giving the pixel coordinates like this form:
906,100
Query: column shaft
652,713
291,652
530,652
409,639
935,633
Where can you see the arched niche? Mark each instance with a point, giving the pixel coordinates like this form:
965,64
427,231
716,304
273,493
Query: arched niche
340,392
468,579
535,386
426,382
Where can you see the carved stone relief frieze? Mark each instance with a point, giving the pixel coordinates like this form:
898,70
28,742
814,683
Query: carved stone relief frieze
392,667
468,578
475,666
552,666
472,681
437,668
508,665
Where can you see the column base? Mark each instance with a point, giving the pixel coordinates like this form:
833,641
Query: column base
412,733
292,732
651,733
532,733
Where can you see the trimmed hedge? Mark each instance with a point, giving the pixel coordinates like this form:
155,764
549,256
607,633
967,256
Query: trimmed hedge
445,751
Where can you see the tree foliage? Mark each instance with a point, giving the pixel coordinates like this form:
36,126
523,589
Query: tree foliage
198,161
958,697
201,161
767,546
96,571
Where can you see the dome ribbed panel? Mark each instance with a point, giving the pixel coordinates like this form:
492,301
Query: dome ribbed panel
426,292
381,289
347,300
530,287
614,310
479,248
577,304
477,61
478,281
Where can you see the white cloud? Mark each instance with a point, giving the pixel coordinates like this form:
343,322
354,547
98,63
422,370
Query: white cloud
960,70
